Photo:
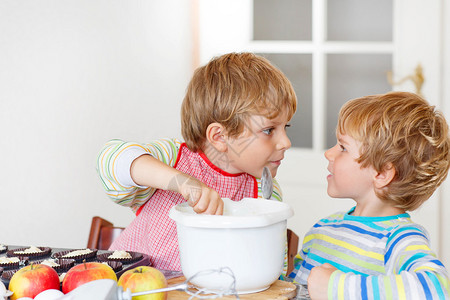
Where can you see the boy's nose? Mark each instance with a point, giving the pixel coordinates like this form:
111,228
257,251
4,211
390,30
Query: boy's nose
284,142
328,153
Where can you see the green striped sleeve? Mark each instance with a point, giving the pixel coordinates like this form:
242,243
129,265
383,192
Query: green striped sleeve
165,150
276,194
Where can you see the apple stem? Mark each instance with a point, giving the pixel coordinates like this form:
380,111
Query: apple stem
32,265
84,262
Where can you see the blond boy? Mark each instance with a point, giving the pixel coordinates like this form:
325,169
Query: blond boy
392,153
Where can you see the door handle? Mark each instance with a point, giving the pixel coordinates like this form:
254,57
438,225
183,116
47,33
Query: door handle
417,79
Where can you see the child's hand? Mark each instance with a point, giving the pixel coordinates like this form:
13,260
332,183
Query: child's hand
318,281
202,198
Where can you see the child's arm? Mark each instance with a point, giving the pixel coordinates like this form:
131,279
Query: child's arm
114,168
412,272
148,171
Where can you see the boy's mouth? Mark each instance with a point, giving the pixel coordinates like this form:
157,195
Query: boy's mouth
275,162
329,175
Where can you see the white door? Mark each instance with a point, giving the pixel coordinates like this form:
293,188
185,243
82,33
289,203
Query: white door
331,51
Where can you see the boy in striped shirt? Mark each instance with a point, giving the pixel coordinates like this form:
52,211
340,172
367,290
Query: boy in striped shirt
392,153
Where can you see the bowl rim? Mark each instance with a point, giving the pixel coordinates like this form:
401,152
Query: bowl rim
275,211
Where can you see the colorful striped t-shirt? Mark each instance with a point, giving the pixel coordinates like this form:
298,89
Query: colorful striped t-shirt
376,258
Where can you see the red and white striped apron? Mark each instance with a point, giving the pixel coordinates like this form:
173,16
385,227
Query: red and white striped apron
152,231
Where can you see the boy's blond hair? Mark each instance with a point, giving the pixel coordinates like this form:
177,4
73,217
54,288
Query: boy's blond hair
402,130
229,89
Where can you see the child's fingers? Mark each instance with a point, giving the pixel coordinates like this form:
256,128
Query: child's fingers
215,206
219,210
200,207
209,203
202,198
193,198
202,201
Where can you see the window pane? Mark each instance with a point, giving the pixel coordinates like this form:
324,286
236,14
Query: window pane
282,20
359,20
298,69
351,76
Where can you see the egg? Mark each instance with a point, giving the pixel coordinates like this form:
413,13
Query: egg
4,293
49,295
2,289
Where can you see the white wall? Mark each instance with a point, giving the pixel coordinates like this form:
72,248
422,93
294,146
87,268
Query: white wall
74,74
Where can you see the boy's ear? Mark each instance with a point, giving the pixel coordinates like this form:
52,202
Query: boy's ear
385,177
215,134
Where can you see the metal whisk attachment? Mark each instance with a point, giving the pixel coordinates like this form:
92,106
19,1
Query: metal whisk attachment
200,293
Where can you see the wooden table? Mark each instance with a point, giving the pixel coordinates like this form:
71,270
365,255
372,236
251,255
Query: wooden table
279,290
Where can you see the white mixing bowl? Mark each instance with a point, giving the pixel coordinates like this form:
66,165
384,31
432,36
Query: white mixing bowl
250,239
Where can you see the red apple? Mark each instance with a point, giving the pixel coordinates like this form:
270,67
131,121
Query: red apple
86,272
142,279
33,279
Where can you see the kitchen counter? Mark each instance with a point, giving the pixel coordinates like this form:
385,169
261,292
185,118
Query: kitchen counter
279,290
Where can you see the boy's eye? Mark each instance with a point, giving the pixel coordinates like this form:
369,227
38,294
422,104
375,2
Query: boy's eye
287,126
342,148
268,131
